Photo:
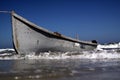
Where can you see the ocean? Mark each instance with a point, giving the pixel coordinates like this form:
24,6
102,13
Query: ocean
96,64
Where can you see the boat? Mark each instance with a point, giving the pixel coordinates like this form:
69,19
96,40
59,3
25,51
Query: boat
30,38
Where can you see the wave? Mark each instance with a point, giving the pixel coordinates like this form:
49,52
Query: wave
99,53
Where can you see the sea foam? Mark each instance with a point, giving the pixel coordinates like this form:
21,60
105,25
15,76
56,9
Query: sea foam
98,53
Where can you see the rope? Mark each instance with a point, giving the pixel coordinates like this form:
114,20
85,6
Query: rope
5,11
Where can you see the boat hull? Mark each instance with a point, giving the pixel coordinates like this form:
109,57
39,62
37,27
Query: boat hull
28,38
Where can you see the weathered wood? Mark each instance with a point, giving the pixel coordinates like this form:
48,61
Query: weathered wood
30,38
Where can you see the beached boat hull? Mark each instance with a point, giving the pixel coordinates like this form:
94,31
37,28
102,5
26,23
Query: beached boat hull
30,38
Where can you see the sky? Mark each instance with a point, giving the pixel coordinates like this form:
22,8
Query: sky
90,19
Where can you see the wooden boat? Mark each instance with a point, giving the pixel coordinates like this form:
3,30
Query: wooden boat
30,38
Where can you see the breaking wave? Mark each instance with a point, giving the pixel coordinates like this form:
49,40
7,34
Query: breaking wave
111,51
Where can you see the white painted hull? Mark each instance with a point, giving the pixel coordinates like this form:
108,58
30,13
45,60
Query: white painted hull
30,38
